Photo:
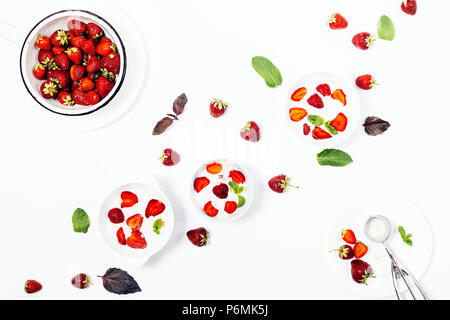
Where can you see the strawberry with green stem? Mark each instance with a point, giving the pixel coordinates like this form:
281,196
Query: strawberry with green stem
280,183
361,271
365,82
80,281
345,252
169,157
198,237
363,40
337,21
32,286
217,108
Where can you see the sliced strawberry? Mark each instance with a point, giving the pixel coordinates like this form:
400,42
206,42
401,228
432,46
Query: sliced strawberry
210,210
135,222
319,134
299,94
214,168
324,89
340,122
306,129
200,183
154,207
121,236
348,236
297,114
230,207
237,176
360,250
315,101
136,240
129,199
339,95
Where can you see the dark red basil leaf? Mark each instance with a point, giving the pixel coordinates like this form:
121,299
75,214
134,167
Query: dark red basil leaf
375,126
162,125
119,282
179,103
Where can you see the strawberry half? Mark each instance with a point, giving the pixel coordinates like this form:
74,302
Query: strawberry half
324,89
221,191
214,168
319,134
297,114
360,250
306,129
154,208
339,95
299,94
348,236
237,176
129,199
409,7
210,210
136,240
340,122
121,236
315,101
200,183
135,222
230,207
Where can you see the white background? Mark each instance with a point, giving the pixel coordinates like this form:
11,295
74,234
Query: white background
204,48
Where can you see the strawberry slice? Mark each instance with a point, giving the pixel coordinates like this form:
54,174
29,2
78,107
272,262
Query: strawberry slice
315,101
129,199
324,89
121,236
230,207
306,129
200,183
135,222
297,114
136,240
319,134
299,94
214,168
339,95
340,122
154,207
210,210
237,176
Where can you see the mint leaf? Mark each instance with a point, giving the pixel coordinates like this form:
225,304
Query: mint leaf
80,221
316,121
265,68
406,237
235,187
386,30
241,201
401,230
330,128
334,158
157,225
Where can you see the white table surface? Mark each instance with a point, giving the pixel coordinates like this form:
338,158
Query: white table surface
204,48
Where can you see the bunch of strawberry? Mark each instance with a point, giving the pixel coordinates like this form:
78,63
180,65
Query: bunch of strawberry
79,65
136,240
361,271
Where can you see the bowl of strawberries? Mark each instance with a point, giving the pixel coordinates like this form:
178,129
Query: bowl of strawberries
73,62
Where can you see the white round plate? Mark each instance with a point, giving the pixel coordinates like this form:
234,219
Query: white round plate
155,242
205,195
330,110
400,211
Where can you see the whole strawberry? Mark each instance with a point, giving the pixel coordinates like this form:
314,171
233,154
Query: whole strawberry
43,43
62,61
409,7
363,40
345,252
365,82
170,157
49,89
217,108
111,62
39,71
92,98
251,132
80,281
94,31
32,286
59,38
337,21
65,99
76,26
198,237
280,183
361,271
104,86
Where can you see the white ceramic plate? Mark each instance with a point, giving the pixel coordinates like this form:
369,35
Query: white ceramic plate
330,110
400,211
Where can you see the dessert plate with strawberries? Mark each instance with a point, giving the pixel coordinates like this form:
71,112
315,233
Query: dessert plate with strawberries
222,190
136,221
322,109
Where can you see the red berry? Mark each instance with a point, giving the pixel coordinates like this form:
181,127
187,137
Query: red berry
306,129
217,108
170,157
136,240
363,40
154,208
200,183
280,183
337,21
345,252
409,7
94,31
92,98
251,132
221,191
49,89
65,99
32,286
230,207
39,71
80,281
116,215
76,26
198,237
324,89
43,43
315,101
135,222
365,82
210,210
121,236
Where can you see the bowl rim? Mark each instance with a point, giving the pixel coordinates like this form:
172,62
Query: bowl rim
118,84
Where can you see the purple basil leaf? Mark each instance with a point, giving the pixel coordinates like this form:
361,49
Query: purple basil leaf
375,126
119,282
162,125
179,103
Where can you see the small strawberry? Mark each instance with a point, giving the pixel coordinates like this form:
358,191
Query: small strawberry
136,240
135,222
319,134
360,250
154,208
230,207
297,114
44,57
339,95
65,99
214,168
280,183
111,62
39,71
89,47
365,82
121,236
210,210
324,89
315,101
79,97
337,21
306,129
198,237
76,26
105,48
32,286
93,64
361,271
105,39
170,157
94,31
363,40
345,252
409,6
129,199
237,176
340,122
221,191
75,55
76,72
49,89
200,183
62,61
59,38
251,132
58,50
80,281
43,43
348,236
87,84
61,78
299,94
217,108
104,86
92,98
116,215
77,41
